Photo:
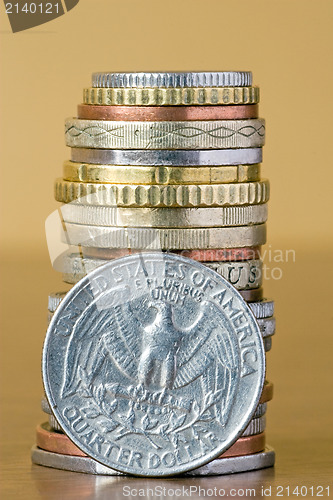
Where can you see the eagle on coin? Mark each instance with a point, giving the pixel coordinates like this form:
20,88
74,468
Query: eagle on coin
144,341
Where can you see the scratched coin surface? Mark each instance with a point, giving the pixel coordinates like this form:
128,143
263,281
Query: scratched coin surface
153,364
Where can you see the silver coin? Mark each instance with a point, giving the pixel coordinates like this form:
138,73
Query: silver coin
243,275
267,326
54,424
164,217
220,466
164,239
261,410
256,426
216,157
268,343
262,309
153,364
199,134
45,406
267,339
172,79
54,300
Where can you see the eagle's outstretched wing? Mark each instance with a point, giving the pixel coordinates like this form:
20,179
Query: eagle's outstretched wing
99,334
211,349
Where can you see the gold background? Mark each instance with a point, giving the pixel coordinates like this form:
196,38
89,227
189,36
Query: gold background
288,47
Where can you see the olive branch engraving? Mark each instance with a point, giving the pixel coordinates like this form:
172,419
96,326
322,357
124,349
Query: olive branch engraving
166,427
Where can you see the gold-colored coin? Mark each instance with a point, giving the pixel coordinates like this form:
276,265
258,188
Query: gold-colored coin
171,195
116,174
171,96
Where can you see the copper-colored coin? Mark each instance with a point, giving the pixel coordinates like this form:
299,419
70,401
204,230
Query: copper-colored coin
166,113
252,295
56,441
246,446
267,392
215,255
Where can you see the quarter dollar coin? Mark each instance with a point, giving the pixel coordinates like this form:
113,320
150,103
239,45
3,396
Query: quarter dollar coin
153,364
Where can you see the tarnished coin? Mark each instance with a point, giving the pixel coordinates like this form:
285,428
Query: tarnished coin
153,364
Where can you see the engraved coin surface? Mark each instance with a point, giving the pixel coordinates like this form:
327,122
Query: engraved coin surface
209,134
153,364
172,79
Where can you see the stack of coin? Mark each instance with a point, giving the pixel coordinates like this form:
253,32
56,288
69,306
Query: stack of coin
167,162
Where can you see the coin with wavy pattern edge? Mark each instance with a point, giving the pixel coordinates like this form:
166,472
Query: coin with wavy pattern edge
153,364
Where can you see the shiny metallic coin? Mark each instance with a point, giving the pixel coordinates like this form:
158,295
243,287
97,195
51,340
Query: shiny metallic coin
54,424
164,217
260,411
256,426
214,157
134,174
208,134
210,255
220,466
164,239
56,441
167,113
267,392
54,300
263,309
162,196
267,326
198,96
172,79
242,275
146,355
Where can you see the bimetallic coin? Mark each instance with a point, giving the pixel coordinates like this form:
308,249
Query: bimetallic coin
199,96
186,158
172,79
171,195
164,239
209,134
166,113
132,174
164,217
147,367
220,466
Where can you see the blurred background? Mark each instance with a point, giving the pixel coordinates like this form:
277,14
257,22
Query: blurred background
287,44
